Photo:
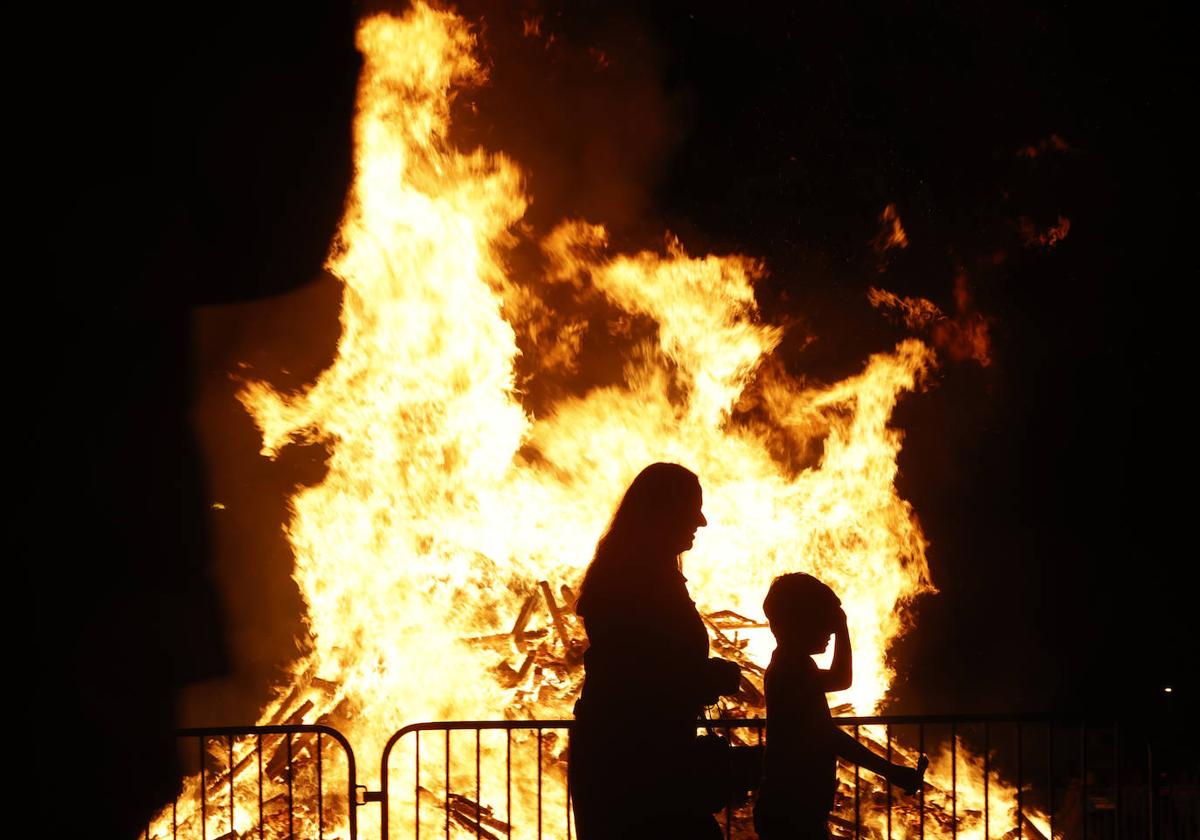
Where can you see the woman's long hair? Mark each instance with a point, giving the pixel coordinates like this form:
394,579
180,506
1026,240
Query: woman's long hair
633,541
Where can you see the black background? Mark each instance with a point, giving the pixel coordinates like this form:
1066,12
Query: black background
1054,484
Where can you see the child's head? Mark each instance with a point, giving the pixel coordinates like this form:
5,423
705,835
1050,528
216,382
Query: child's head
802,611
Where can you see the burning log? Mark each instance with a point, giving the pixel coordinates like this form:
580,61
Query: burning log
569,597
1030,830
509,677
220,780
731,649
555,613
730,620
298,715
518,631
470,825
551,664
277,764
302,746
328,686
838,822
301,685
465,809
750,697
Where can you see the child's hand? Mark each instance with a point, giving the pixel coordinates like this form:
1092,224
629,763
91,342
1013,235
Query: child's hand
909,779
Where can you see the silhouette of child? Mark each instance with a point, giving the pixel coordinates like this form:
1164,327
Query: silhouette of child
799,770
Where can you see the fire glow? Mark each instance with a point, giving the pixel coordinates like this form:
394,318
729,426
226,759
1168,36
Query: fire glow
447,502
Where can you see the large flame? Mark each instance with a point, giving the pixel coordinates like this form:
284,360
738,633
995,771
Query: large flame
447,501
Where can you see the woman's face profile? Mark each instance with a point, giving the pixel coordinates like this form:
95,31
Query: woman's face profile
683,526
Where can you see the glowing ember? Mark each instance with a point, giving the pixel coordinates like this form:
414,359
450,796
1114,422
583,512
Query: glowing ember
447,502
1047,238
891,232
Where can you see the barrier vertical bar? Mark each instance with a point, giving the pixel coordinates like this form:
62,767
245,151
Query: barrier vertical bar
1083,810
539,781
987,771
447,784
888,730
231,828
954,780
291,796
1050,771
320,794
728,795
203,789
416,790
478,796
508,780
1020,826
857,810
1150,789
260,789
568,784
1117,776
921,797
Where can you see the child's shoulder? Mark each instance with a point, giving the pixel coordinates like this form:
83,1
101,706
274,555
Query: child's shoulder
792,660
792,666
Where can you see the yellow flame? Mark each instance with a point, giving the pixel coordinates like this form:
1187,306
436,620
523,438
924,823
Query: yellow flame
446,501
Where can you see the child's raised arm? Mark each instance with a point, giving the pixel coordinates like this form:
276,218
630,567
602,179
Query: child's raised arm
841,670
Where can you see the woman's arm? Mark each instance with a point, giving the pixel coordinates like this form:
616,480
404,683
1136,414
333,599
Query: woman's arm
840,675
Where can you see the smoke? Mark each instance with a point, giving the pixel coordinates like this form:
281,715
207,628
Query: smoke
579,102
289,339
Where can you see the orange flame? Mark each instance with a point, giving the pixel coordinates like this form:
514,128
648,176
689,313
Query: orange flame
964,336
446,500
1048,238
1053,143
891,233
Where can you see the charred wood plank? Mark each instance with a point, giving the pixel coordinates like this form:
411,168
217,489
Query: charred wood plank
555,613
466,806
730,620
518,631
569,597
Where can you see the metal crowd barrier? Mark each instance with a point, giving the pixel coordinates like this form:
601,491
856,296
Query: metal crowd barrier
1080,780
539,727
293,780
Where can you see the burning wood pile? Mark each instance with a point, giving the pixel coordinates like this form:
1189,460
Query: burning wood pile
443,488
539,659
550,672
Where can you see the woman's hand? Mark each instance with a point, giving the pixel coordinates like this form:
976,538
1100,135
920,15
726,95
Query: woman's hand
722,677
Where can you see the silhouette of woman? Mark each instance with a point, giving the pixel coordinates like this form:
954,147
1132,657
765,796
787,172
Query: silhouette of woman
647,674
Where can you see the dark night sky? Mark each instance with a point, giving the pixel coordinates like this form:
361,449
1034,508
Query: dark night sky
1049,483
